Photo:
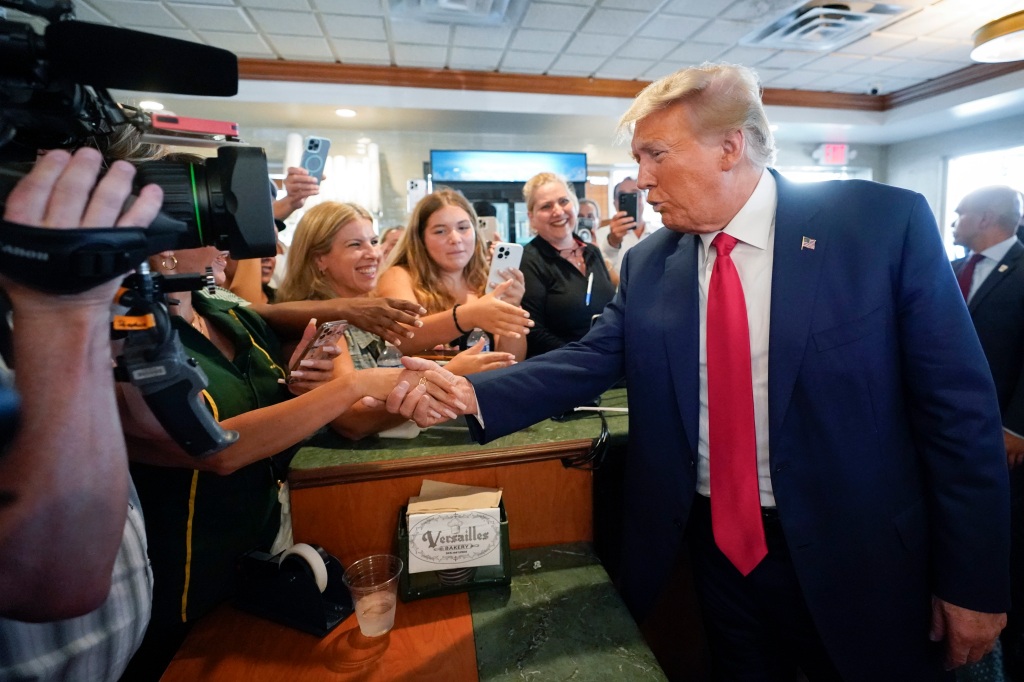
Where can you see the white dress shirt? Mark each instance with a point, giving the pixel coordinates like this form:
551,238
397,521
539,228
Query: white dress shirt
754,227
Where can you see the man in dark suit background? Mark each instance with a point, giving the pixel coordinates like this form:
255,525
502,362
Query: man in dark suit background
986,225
859,417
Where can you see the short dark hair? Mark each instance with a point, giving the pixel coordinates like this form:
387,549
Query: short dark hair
617,192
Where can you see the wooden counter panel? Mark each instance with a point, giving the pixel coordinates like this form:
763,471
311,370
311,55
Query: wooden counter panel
546,504
432,642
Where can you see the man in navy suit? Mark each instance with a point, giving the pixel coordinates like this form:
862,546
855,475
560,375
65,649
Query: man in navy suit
986,225
879,539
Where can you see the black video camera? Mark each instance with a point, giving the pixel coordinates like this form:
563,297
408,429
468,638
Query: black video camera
53,95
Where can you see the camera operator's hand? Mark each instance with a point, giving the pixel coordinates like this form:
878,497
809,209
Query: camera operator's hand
58,193
299,185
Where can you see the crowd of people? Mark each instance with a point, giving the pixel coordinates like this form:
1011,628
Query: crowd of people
824,459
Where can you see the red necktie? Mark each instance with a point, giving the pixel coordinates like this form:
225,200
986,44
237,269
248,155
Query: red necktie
966,275
735,499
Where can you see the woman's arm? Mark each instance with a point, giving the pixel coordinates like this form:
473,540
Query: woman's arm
388,318
488,312
247,282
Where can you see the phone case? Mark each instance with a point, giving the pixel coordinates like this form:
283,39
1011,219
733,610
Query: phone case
327,334
506,255
314,156
627,203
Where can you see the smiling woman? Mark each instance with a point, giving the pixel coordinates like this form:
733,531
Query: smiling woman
442,265
567,282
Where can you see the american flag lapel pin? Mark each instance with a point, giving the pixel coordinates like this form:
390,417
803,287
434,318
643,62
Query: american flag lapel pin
1004,267
806,243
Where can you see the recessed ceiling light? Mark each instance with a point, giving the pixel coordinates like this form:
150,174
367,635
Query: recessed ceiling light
345,113
150,105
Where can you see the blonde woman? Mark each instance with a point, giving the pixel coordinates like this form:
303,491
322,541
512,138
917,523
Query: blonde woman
335,254
441,264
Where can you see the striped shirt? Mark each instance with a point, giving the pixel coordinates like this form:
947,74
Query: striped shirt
94,647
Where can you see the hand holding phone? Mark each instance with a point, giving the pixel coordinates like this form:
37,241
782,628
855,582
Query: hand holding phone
506,255
314,156
628,203
327,334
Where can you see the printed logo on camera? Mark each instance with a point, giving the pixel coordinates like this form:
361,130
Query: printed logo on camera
455,538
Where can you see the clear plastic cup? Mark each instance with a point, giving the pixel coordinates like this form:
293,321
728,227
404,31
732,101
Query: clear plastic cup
373,583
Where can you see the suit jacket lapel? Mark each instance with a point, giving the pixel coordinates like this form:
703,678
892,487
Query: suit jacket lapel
679,300
796,271
1004,269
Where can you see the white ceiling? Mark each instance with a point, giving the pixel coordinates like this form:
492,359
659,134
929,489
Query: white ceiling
616,39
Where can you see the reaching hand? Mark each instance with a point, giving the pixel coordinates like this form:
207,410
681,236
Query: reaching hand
969,634
429,394
311,373
299,185
383,316
494,315
1014,449
473,360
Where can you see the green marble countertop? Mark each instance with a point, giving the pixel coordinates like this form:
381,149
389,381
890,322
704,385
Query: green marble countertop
561,619
328,449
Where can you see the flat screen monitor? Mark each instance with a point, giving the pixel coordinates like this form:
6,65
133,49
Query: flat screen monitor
497,166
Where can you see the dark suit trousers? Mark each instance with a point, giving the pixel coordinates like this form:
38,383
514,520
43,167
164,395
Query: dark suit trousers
758,626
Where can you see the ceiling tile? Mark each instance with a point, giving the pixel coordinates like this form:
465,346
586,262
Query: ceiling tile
649,48
672,27
359,7
282,5
360,28
648,5
748,56
84,12
527,62
920,68
286,23
795,79
231,19
593,44
884,84
475,59
959,52
361,51
833,62
489,37
877,43
833,81
697,8
138,14
420,33
534,40
614,22
626,69
549,15
242,44
421,55
299,47
694,53
871,65
660,70
576,64
789,59
723,32
176,33
923,22
932,48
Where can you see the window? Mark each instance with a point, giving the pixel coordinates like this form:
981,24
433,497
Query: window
964,174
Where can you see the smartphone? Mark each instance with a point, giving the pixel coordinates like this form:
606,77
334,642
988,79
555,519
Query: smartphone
488,228
314,156
327,334
506,255
627,203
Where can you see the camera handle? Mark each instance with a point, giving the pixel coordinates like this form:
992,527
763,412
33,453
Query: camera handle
154,360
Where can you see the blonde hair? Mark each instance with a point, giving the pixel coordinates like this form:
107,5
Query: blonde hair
314,236
541,179
720,98
411,253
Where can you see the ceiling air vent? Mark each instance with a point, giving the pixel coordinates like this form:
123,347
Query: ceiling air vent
824,26
467,12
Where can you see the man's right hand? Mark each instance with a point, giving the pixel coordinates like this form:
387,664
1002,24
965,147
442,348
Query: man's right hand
620,224
433,396
59,193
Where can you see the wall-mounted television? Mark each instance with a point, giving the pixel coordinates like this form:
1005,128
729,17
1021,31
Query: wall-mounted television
498,166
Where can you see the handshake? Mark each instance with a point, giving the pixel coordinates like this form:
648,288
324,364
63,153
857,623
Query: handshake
428,394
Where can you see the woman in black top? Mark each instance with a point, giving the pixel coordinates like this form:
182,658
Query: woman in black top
567,282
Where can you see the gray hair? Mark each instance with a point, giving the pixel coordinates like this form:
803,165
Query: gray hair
1002,201
720,98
